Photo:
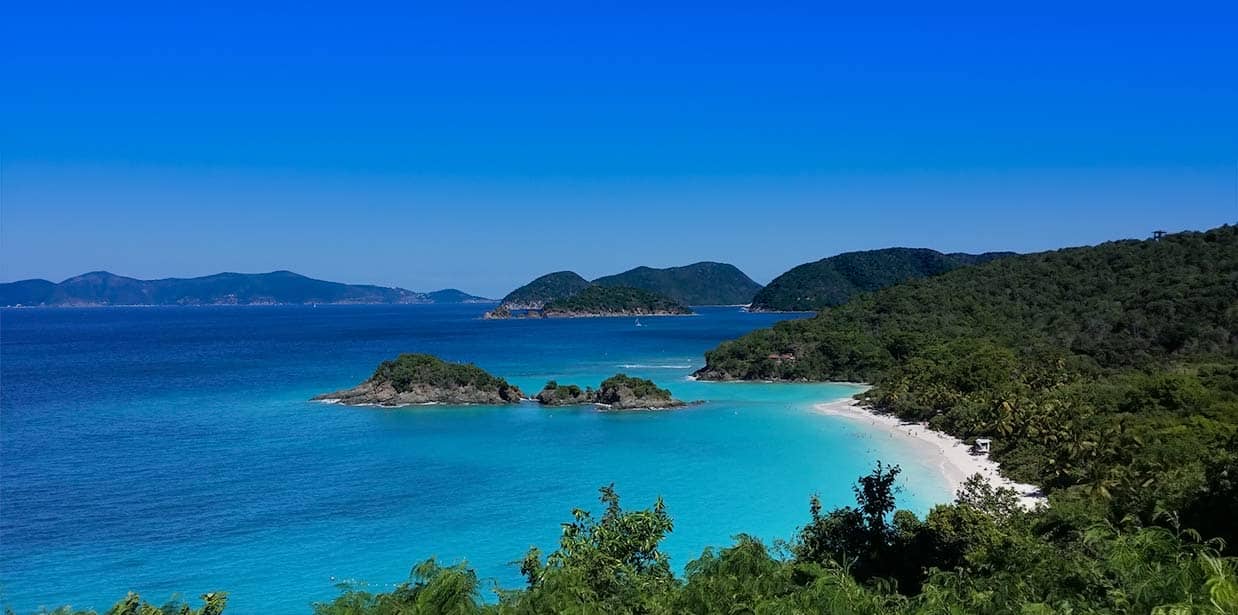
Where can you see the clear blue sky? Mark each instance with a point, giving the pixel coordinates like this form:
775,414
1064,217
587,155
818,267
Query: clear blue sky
480,144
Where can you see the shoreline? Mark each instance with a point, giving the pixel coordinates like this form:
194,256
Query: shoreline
949,455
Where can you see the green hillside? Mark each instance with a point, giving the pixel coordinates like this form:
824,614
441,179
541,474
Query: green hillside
702,283
1112,369
617,300
549,287
835,280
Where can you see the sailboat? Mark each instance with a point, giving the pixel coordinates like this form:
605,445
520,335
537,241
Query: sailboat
638,323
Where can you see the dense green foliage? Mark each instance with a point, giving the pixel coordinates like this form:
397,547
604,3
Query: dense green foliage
835,280
617,392
563,391
103,288
981,555
132,604
409,370
702,283
640,387
549,287
614,300
556,394
1109,370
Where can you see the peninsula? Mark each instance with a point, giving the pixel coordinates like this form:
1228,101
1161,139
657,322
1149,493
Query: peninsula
425,379
597,301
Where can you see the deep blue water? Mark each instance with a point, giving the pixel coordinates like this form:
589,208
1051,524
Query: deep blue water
169,450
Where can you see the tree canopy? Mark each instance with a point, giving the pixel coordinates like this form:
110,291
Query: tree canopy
835,280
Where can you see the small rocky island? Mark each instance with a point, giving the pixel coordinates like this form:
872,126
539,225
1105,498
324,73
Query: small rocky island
425,379
413,379
554,394
598,301
619,392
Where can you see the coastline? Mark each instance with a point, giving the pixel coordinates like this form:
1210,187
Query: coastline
948,454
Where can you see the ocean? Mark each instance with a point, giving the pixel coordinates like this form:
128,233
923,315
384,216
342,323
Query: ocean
174,450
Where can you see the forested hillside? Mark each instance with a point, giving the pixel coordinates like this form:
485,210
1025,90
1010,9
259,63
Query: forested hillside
549,287
696,284
835,280
1110,369
614,301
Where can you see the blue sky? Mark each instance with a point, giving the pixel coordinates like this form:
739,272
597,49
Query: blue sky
480,144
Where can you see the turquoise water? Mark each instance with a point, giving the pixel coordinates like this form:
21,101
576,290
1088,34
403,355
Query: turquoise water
169,450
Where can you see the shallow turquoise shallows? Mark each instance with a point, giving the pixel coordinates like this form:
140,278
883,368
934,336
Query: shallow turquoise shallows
169,450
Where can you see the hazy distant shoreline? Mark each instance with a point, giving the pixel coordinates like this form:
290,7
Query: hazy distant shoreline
97,306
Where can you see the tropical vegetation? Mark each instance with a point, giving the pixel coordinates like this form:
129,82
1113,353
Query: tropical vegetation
1107,372
639,387
703,283
606,300
549,287
411,369
982,555
835,280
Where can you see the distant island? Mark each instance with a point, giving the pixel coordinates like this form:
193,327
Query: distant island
101,288
619,392
704,283
535,294
425,379
598,301
662,292
613,301
835,280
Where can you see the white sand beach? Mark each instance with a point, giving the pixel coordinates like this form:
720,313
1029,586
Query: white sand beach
951,455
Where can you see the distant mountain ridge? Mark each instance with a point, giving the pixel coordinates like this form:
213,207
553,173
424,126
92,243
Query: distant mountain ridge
835,280
99,288
703,283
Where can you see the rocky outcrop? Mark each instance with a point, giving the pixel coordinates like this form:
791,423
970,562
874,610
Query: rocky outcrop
555,394
498,313
619,392
423,379
412,379
623,392
386,394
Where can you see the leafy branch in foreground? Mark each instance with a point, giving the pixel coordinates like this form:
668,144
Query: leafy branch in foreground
982,554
